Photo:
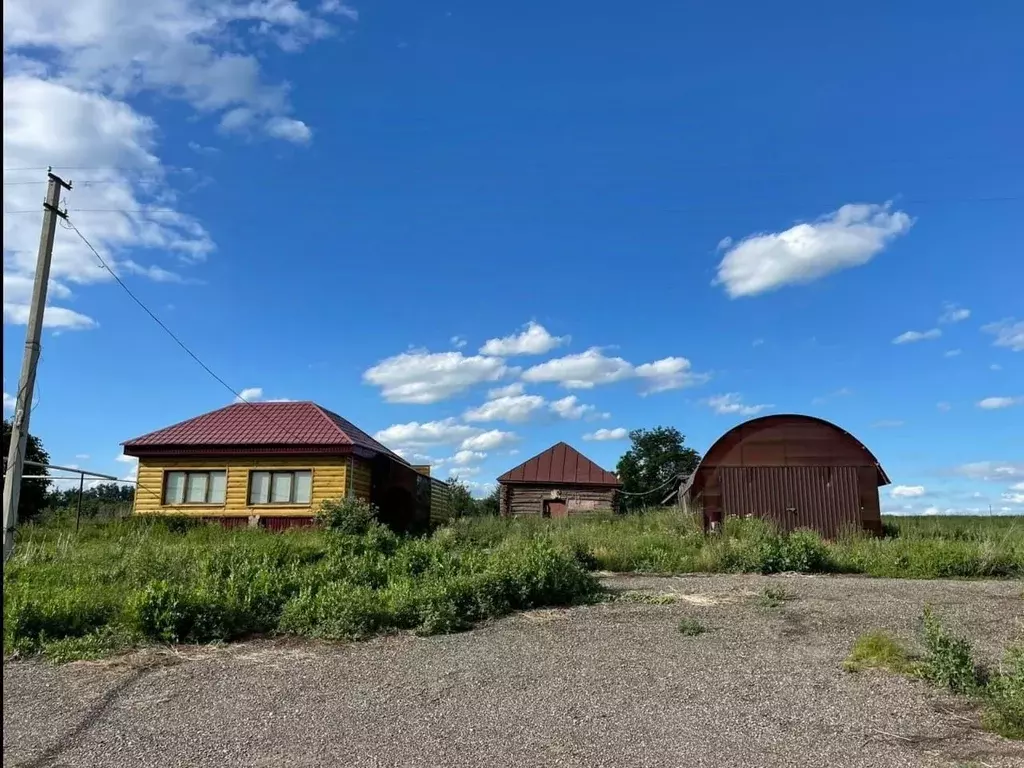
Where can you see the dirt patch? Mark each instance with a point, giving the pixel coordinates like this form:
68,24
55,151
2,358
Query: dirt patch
612,684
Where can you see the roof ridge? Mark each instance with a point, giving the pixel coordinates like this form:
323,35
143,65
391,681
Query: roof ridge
337,427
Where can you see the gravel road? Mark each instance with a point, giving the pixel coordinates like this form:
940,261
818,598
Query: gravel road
608,685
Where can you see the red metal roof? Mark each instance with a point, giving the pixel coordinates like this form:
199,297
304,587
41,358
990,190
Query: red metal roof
561,463
291,425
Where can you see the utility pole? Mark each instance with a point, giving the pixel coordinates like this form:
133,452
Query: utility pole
26,385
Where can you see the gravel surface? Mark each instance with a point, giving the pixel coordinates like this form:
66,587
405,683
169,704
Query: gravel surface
608,685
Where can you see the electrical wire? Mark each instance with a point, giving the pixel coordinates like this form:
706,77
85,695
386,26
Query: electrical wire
674,479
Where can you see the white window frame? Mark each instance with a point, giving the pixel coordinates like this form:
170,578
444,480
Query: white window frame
184,488
292,502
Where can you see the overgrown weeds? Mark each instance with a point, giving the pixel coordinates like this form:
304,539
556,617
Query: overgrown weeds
773,596
948,662
140,580
667,541
690,627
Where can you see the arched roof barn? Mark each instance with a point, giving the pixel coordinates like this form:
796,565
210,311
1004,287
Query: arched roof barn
797,471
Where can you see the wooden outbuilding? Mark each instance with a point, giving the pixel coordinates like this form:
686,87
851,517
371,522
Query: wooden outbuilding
558,482
795,471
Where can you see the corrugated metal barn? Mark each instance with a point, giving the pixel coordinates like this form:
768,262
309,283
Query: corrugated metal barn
796,471
559,482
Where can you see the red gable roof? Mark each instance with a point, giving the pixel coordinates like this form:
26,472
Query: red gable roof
286,427
561,463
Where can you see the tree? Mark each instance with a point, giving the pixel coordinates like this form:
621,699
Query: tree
656,456
489,504
32,499
460,499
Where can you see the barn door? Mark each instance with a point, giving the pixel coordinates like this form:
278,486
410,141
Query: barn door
555,508
757,491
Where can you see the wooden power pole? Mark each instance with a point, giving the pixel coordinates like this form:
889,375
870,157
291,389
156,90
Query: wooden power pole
26,385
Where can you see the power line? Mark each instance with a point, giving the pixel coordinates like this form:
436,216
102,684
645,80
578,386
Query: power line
169,332
155,319
109,210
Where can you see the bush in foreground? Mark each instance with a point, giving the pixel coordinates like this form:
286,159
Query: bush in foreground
139,581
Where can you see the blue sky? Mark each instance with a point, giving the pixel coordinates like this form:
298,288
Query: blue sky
684,215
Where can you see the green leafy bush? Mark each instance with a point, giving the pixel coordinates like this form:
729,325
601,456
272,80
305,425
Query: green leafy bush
690,627
1005,711
347,515
949,660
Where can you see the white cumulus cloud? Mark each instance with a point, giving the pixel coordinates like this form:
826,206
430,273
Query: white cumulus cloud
952,313
416,434
732,403
618,433
846,238
1009,333
570,408
463,458
249,395
488,441
907,491
513,389
585,370
425,377
513,408
533,340
995,403
909,337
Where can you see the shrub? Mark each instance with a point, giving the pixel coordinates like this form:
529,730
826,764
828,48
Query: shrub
347,515
948,661
1004,712
690,627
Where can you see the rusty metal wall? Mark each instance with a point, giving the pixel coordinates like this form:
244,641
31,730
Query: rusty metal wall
824,499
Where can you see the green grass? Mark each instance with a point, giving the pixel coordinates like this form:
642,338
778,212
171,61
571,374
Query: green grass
773,597
690,627
948,662
666,541
119,584
877,650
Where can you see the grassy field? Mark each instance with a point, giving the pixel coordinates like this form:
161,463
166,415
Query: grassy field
134,581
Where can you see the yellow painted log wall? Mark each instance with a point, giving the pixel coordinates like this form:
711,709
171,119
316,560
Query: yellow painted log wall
329,474
361,478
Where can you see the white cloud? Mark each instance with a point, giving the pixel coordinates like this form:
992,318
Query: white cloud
461,472
994,403
888,424
458,342
585,370
952,353
87,63
569,408
513,389
669,373
619,433
424,377
10,402
534,340
582,370
1013,498
462,458
444,432
732,403
126,459
952,313
846,238
82,456
1017,487
909,337
906,491
488,441
249,394
513,408
841,392
289,129
992,471
1009,333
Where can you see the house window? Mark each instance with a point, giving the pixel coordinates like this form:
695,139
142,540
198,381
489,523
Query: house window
274,487
199,487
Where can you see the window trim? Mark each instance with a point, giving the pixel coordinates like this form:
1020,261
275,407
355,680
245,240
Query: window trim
279,471
194,471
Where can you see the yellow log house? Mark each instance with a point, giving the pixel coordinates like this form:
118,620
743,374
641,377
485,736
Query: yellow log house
273,464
